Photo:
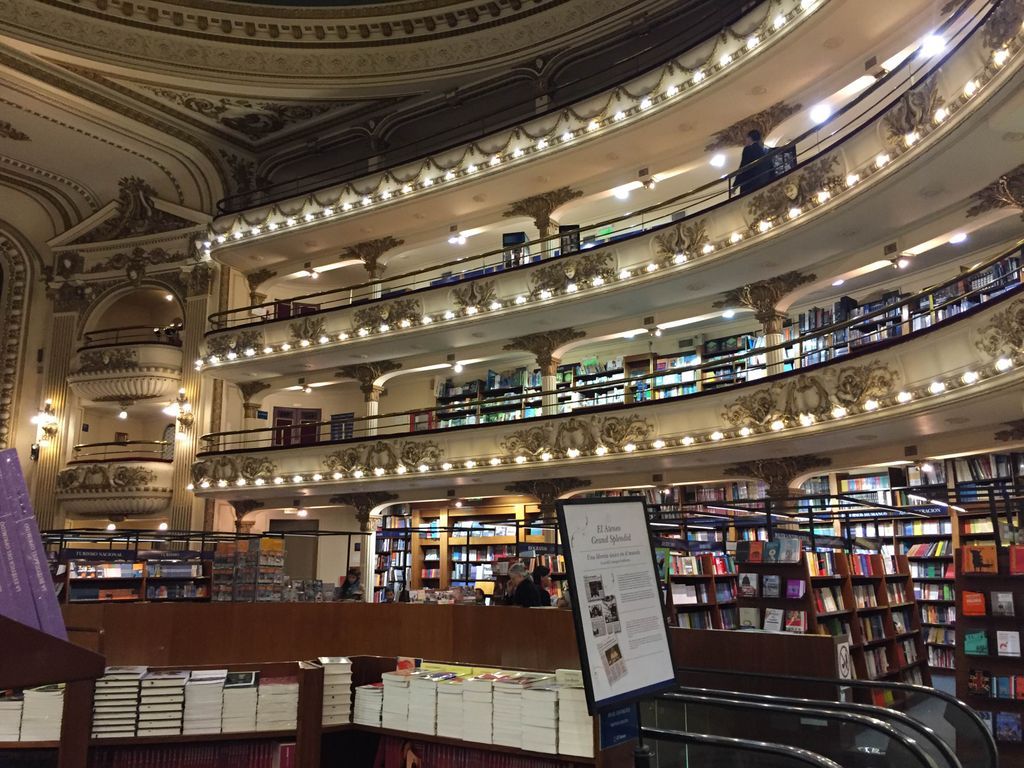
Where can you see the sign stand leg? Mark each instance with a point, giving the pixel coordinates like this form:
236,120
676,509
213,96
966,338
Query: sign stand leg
643,757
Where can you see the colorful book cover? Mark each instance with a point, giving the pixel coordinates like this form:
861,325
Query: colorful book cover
1002,604
973,603
795,588
986,719
771,585
1017,559
790,549
756,553
750,618
747,584
23,547
1008,726
976,643
1003,687
1008,643
979,682
979,558
773,618
796,621
771,551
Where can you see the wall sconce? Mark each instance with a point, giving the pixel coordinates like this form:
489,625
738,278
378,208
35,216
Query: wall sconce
181,410
46,423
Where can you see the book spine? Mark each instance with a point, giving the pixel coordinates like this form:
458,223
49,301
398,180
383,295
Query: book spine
28,545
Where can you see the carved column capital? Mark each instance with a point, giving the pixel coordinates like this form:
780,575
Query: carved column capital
370,253
1014,433
543,345
541,207
764,121
242,507
364,504
1005,192
547,490
255,279
763,297
249,390
367,374
778,473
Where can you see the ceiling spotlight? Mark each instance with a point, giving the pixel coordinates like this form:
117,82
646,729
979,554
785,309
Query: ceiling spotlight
302,512
162,527
837,282
458,368
932,45
729,314
621,193
718,161
458,504
901,263
958,238
454,236
111,527
123,413
820,113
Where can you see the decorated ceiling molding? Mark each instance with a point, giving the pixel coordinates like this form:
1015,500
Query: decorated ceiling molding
664,256
982,355
115,490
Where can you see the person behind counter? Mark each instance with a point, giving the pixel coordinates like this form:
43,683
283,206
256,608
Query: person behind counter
523,592
351,588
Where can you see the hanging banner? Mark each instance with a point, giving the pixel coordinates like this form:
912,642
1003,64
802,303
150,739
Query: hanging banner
616,600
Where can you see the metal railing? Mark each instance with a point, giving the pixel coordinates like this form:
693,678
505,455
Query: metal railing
911,315
133,334
846,122
126,450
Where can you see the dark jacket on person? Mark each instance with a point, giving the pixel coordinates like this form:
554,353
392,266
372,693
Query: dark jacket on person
527,595
753,174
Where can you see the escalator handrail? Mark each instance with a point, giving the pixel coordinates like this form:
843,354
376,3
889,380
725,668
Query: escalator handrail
795,753
869,710
864,721
986,735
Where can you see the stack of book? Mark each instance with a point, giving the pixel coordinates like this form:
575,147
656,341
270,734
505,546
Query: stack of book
10,717
41,713
240,695
575,725
162,703
540,718
204,701
116,702
369,702
277,704
507,722
450,709
337,689
478,708
423,701
395,711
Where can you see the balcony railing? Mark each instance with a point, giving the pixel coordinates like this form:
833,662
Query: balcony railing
133,334
899,319
859,114
125,450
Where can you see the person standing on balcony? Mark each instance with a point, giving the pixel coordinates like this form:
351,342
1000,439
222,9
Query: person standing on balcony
754,171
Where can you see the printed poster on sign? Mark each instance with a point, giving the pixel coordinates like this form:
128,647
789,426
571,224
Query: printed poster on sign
619,614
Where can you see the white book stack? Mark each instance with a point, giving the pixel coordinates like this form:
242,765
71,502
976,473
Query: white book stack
508,706
277,706
240,696
423,701
395,711
41,713
204,701
10,718
337,689
450,709
162,703
369,701
478,708
115,710
540,719
575,725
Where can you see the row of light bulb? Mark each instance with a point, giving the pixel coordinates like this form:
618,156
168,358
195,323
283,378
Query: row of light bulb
838,412
822,197
424,181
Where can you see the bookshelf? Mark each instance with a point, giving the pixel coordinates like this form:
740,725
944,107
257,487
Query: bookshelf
867,597
249,570
133,576
700,590
393,552
989,677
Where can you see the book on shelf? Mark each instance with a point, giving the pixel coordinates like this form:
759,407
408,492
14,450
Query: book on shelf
694,620
973,603
750,551
979,558
795,588
1016,559
979,682
750,618
773,619
747,584
829,600
771,585
687,594
1008,727
1008,643
796,621
975,643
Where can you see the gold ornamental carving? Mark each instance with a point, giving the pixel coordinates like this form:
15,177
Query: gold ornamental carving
475,293
222,344
764,296
1005,192
579,270
684,237
765,121
1004,23
8,131
778,473
812,394
543,345
101,478
1004,332
367,374
364,503
136,214
391,314
255,280
912,110
579,434
541,207
387,454
796,190
230,468
308,329
547,490
1013,433
102,360
13,287
370,252
254,119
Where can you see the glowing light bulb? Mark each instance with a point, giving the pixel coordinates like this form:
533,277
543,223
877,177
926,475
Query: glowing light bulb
820,113
470,464
937,387
629,447
941,114
708,248
735,237
726,60
904,397
851,179
495,461
969,377
1004,364
520,300
688,441
823,196
752,42
546,456
620,115
446,466
422,468
379,471
778,425
838,412
520,459
745,431
716,436
870,405
645,103
573,453
600,450
698,76
881,160
970,88
658,444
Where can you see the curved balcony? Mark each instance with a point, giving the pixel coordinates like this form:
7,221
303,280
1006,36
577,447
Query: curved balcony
117,481
127,365
952,348
656,250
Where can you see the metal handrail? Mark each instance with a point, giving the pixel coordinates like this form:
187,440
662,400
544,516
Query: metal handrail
937,302
133,334
911,71
152,450
795,754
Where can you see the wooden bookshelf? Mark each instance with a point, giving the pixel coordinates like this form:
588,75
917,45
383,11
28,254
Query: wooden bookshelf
718,610
392,552
146,583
